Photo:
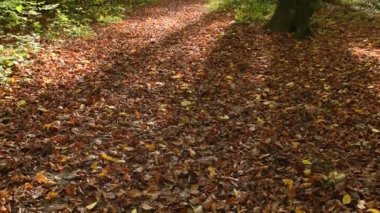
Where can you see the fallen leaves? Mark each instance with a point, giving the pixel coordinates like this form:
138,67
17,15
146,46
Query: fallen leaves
196,115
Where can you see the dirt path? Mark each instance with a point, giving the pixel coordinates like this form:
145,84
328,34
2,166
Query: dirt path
178,108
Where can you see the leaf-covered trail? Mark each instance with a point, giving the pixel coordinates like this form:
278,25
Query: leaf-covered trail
178,108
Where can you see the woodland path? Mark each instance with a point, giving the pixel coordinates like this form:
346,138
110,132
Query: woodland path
177,108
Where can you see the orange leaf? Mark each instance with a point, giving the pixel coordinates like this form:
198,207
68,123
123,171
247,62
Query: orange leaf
41,178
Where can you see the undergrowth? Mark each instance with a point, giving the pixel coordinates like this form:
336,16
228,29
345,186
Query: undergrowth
24,22
245,10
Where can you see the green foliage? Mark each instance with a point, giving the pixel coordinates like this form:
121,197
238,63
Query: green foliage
363,5
254,10
27,16
16,52
219,5
22,22
245,10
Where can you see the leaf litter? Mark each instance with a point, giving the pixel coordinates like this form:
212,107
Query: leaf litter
179,109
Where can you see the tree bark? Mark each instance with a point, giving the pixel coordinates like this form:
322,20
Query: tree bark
293,16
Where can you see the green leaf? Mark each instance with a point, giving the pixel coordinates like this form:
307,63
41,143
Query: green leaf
19,8
346,199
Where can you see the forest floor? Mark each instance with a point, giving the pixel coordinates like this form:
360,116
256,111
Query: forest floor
179,109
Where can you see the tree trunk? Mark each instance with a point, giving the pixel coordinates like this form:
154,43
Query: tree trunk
293,16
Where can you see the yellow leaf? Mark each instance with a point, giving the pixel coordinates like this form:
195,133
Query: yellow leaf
150,147
307,172
224,117
109,158
134,211
257,97
185,103
336,176
236,193
194,187
198,209
361,204
92,205
11,80
260,121
212,172
184,86
177,76
288,183
134,193
290,84
51,195
373,211
299,210
360,111
295,145
42,109
103,173
47,80
94,166
346,199
229,78
375,130
129,149
21,103
270,104
306,162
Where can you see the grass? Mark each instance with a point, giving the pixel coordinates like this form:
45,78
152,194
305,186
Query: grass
245,11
